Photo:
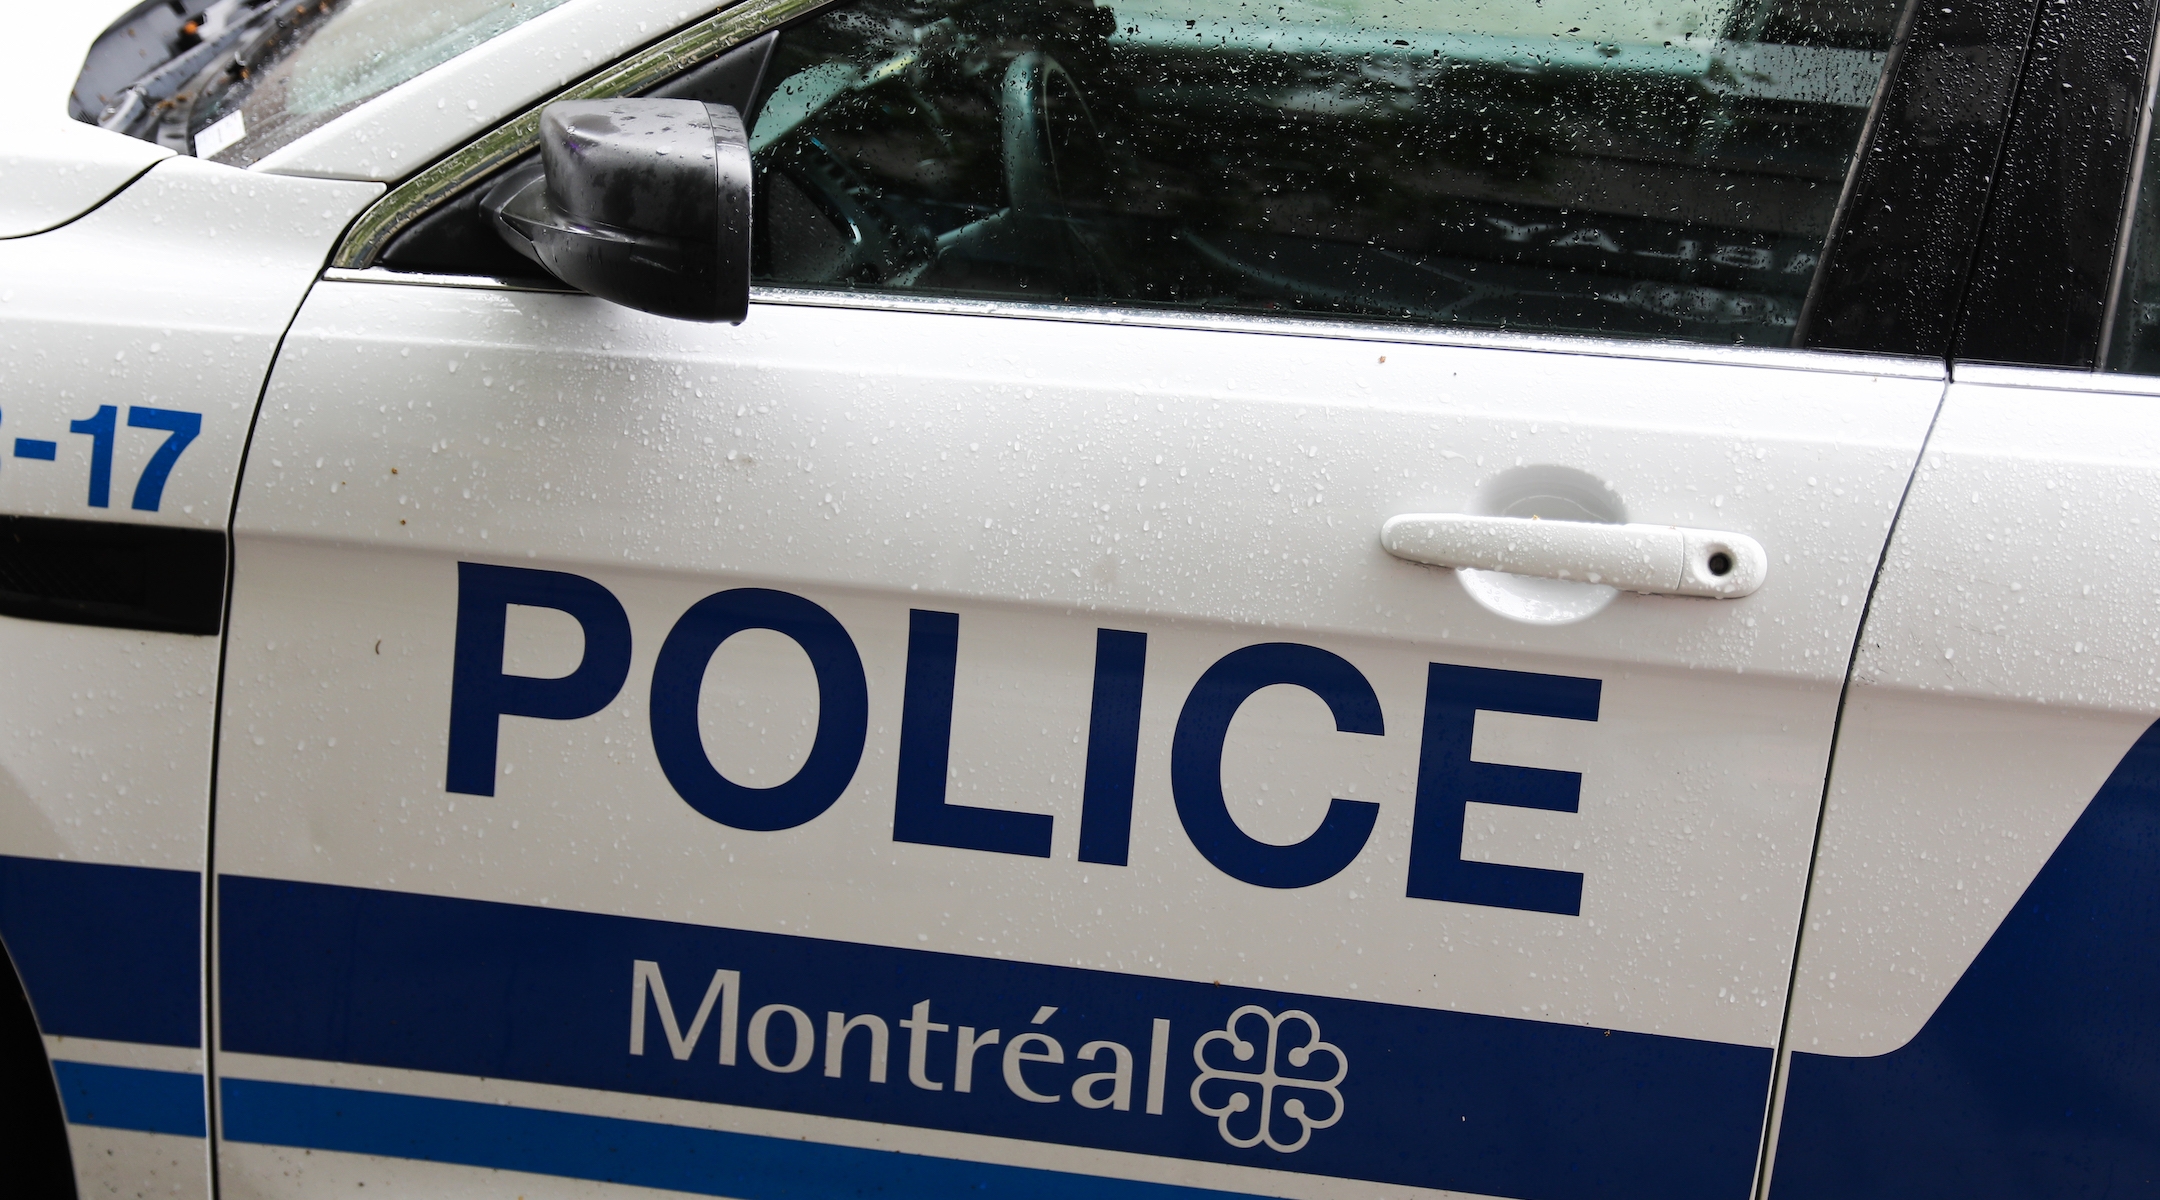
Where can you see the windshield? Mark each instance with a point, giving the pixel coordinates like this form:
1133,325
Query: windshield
234,80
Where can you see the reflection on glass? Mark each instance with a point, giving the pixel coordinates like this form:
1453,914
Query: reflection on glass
1650,169
331,56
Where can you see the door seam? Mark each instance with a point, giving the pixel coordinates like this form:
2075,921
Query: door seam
212,1138
1774,1110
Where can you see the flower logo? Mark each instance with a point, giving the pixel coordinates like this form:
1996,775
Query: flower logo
1292,1040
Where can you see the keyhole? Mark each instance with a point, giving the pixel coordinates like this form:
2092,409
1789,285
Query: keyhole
1721,563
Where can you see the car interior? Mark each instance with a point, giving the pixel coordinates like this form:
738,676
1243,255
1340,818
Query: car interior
1508,168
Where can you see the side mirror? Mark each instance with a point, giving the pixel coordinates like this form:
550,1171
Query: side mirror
643,202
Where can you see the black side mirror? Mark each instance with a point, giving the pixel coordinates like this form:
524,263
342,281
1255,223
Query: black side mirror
640,201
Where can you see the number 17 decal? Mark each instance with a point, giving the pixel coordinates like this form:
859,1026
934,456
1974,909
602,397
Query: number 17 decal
180,429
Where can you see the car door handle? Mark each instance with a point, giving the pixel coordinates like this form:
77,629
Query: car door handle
1659,559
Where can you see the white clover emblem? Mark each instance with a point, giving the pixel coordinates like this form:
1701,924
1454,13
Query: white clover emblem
1291,1040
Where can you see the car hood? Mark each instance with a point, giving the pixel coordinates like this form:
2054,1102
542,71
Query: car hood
54,168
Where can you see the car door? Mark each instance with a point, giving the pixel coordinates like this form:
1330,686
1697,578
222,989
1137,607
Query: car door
961,728
1972,1003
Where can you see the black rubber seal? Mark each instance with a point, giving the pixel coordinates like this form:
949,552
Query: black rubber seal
119,576
2047,252
1902,246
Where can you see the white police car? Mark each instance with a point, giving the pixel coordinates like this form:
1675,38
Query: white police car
1114,598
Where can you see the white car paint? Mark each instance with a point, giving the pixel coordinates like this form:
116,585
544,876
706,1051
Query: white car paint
1045,478
2005,674
2009,661
173,294
53,167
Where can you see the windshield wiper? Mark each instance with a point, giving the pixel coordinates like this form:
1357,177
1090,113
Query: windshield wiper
155,104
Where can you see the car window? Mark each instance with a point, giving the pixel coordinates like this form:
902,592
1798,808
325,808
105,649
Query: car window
1662,168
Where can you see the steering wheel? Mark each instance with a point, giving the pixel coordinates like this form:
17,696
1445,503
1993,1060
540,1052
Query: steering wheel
1054,164
1053,152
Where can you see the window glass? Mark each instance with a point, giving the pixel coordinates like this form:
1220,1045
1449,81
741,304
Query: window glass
1662,168
281,70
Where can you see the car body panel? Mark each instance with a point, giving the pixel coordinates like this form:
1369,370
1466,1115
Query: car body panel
52,167
173,295
1975,979
1044,481
423,987
169,299
49,180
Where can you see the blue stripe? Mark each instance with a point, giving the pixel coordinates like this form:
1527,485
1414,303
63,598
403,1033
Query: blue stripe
2039,1075
1490,1105
639,1153
105,951
1439,1099
131,1098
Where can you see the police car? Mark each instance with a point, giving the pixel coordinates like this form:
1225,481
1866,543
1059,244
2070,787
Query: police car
1149,599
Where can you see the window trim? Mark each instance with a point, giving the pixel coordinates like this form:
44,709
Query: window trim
383,220
1348,329
2127,226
